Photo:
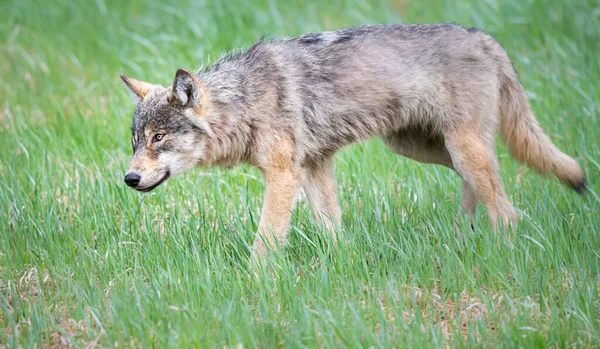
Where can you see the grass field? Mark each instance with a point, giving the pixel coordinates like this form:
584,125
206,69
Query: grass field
86,261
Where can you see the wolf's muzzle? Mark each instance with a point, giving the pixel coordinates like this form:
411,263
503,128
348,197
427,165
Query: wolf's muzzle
132,179
150,188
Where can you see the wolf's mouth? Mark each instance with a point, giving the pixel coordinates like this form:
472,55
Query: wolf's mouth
150,188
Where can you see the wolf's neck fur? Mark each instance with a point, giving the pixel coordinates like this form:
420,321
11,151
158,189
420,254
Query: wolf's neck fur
228,117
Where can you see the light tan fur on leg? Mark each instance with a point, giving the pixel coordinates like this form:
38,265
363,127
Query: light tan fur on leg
319,186
469,200
283,182
471,158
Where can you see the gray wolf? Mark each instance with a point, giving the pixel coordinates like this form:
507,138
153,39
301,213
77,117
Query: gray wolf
435,93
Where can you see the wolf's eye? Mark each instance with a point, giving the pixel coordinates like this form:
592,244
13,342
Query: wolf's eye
158,137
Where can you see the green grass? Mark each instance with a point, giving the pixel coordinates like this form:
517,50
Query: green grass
85,260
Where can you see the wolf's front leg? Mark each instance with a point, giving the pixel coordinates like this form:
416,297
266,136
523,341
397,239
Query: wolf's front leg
319,186
282,185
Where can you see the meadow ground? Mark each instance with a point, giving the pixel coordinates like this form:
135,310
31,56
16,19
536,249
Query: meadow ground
86,261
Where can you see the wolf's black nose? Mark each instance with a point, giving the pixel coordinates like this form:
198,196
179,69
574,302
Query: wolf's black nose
132,179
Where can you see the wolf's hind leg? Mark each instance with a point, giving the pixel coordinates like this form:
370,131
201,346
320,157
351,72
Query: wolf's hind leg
474,159
469,200
419,146
319,186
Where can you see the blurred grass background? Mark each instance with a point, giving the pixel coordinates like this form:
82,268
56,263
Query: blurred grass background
86,261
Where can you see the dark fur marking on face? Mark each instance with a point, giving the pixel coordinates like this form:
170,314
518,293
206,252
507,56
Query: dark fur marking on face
180,125
167,146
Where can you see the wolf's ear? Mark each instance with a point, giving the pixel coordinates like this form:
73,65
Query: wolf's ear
186,90
137,89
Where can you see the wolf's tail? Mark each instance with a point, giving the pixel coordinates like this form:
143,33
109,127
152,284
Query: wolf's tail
525,138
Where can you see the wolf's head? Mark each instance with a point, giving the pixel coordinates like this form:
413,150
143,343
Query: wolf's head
169,132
